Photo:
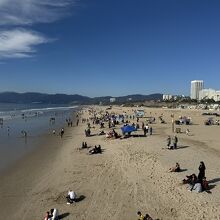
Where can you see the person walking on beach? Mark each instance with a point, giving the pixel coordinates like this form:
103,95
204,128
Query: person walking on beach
151,130
168,141
201,171
187,131
62,132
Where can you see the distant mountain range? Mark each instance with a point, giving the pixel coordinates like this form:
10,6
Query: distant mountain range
30,97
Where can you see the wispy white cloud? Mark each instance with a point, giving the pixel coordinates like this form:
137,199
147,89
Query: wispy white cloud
27,12
19,43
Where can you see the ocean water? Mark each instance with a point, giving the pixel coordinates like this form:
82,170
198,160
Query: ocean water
34,119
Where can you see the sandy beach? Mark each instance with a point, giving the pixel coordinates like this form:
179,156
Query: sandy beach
130,175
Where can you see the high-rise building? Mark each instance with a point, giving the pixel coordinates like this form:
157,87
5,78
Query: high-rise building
196,86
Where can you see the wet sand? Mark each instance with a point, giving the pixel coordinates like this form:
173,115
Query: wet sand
131,174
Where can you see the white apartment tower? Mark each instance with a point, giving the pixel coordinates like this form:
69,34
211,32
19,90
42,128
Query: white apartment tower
196,87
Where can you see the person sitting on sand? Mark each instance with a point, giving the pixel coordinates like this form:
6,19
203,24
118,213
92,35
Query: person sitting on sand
141,217
197,187
175,169
54,214
191,179
205,184
110,134
99,150
102,133
71,197
47,217
96,150
115,134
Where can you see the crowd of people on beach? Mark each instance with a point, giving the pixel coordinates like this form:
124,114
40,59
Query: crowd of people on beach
197,183
110,121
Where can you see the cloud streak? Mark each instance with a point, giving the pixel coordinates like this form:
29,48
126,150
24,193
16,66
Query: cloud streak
17,42
28,12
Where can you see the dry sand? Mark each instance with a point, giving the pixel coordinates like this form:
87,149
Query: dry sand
131,175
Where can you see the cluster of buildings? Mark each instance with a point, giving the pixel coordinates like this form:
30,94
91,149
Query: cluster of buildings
168,97
198,91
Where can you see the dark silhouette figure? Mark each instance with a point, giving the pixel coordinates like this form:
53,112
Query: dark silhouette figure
201,171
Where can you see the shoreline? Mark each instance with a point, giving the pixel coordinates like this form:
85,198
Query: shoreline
27,171
14,146
130,175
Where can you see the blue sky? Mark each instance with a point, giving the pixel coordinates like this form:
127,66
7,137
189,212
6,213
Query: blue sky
109,47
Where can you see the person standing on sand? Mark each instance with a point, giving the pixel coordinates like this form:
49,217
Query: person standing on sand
168,141
201,171
145,131
142,126
175,141
147,127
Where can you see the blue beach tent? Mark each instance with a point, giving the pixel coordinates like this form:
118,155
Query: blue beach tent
128,129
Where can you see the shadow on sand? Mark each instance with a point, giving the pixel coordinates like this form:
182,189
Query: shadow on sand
64,215
215,180
80,198
182,170
182,147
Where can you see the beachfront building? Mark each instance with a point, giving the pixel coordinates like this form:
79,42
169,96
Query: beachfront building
196,87
112,99
209,94
167,97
